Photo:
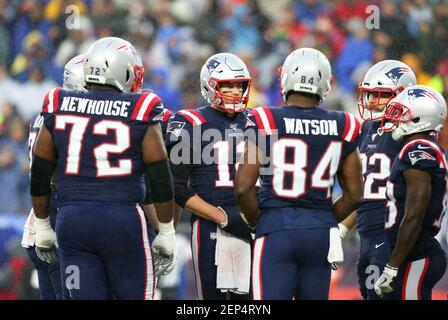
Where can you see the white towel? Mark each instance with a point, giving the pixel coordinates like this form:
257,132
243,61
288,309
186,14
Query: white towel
29,235
233,261
335,253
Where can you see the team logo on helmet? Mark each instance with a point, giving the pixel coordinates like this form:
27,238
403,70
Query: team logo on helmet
396,73
416,93
212,65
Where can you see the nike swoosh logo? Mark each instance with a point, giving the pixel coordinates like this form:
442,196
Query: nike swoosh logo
379,245
422,147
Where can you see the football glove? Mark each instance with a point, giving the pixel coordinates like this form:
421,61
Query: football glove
45,244
384,284
235,224
164,248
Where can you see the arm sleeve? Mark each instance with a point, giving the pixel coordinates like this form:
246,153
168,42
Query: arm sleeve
181,173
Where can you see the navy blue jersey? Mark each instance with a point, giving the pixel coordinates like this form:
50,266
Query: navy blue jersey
214,144
420,154
98,137
377,153
301,166
165,117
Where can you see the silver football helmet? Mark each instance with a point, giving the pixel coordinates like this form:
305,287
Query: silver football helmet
306,70
415,109
115,62
221,68
387,77
74,74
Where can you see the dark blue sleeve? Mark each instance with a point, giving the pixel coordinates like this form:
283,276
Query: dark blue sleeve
420,156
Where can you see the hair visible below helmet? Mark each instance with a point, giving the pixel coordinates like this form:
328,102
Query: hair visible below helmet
306,70
416,109
387,76
221,68
115,62
74,74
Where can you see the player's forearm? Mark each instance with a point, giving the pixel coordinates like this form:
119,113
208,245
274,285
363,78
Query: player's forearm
151,214
203,209
350,221
344,206
41,206
407,236
248,203
165,210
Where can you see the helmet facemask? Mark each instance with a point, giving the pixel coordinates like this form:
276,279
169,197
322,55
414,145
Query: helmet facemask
229,102
395,120
368,110
139,72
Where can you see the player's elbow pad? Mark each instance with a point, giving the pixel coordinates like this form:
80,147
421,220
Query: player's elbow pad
160,181
41,173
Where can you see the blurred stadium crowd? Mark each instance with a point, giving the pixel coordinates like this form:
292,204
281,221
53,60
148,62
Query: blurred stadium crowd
37,37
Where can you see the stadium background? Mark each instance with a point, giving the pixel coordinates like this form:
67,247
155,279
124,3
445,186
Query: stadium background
174,38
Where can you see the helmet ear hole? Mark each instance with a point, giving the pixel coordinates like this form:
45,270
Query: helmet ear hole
415,120
127,75
107,64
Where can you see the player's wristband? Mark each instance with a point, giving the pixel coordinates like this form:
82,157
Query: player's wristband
166,227
343,230
392,271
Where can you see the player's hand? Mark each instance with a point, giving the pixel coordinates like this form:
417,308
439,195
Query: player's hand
384,284
45,241
47,255
235,225
164,248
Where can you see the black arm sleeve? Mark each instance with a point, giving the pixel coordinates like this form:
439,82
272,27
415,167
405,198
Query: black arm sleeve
183,192
159,181
41,173
148,196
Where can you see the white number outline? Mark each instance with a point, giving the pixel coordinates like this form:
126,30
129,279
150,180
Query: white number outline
76,135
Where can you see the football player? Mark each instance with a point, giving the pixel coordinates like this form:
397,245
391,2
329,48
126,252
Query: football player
295,219
46,262
416,193
204,186
383,81
100,144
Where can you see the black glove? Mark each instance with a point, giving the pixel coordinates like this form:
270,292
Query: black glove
235,225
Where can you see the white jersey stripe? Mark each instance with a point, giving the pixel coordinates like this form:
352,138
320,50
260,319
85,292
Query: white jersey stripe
257,285
265,120
192,116
145,106
352,124
413,280
51,100
150,280
195,247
